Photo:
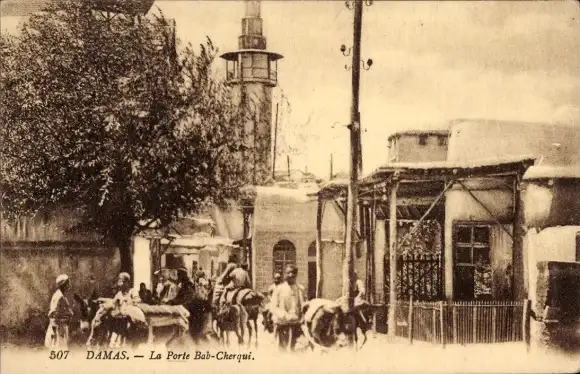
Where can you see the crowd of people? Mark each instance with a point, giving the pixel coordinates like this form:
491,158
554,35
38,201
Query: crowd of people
286,298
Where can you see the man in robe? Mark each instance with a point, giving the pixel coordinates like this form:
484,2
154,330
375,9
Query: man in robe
222,281
60,314
126,295
286,308
359,290
276,281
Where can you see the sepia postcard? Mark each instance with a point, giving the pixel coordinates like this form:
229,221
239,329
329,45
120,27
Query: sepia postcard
286,186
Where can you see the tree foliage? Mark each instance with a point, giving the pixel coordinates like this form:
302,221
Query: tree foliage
105,115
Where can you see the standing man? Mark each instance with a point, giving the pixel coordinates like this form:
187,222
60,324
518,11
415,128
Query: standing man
286,307
277,280
359,290
60,314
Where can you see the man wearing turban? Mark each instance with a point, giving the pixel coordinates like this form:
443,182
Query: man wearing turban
60,314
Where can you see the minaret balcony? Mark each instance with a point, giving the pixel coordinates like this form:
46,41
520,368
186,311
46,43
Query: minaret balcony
252,66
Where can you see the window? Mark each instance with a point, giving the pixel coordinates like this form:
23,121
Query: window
472,261
284,254
422,139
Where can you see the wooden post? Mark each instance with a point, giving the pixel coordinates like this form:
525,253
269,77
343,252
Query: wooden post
514,323
526,324
374,321
493,323
319,216
352,198
151,336
393,257
441,324
434,323
454,317
410,320
474,324
518,260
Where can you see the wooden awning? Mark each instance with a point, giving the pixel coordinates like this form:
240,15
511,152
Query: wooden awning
425,178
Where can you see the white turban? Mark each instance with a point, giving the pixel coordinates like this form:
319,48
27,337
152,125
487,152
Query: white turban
61,279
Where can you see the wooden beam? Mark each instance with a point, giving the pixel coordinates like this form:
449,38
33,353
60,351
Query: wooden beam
486,209
393,259
319,218
433,204
416,200
518,255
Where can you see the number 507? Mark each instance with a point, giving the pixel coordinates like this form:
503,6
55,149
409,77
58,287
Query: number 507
58,355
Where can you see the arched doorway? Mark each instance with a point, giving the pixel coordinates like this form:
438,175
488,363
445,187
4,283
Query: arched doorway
312,270
284,254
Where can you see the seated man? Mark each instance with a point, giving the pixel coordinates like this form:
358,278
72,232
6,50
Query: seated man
125,310
126,295
240,278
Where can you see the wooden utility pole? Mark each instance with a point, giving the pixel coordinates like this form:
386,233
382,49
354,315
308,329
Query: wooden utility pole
351,216
331,171
275,143
392,258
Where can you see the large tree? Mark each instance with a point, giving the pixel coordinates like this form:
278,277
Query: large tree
108,117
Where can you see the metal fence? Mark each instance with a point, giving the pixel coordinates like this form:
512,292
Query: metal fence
418,275
466,322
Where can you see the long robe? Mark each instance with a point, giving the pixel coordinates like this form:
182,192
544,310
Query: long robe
60,314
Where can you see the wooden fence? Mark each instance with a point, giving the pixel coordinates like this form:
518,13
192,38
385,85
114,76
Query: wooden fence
463,322
418,275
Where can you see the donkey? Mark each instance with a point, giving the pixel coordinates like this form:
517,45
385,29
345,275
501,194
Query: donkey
231,317
325,325
253,303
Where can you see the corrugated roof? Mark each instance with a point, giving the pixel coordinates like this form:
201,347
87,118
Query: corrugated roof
435,132
464,164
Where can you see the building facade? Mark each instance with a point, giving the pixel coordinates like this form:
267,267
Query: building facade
498,195
418,146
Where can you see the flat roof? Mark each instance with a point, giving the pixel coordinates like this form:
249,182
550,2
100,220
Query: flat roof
553,172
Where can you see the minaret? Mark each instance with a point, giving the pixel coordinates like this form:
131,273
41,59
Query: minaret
252,71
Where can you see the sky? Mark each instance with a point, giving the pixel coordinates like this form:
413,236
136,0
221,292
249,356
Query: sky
433,62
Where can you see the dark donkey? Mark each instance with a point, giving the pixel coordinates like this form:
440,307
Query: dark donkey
252,302
88,309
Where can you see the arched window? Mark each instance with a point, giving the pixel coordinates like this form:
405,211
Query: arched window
284,254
